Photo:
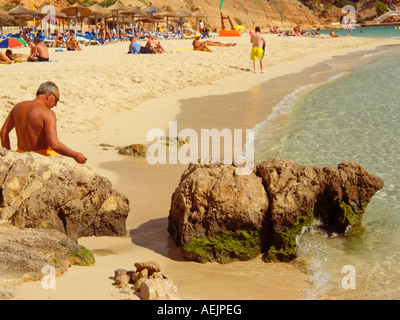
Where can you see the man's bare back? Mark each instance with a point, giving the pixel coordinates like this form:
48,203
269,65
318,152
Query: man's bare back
36,125
257,40
29,118
39,51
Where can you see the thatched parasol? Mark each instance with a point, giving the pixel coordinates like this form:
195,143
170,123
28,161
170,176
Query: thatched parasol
47,10
21,12
133,11
99,11
183,14
118,7
3,15
198,15
76,10
167,13
151,10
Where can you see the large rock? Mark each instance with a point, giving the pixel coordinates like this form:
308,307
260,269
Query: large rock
57,193
298,194
24,253
218,216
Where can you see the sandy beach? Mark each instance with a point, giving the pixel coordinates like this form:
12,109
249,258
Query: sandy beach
109,96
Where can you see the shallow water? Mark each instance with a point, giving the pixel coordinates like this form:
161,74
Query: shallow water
350,116
376,32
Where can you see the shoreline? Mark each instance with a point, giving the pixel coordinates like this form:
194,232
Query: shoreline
147,237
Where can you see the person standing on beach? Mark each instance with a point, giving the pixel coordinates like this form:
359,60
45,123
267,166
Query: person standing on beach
257,52
102,26
36,125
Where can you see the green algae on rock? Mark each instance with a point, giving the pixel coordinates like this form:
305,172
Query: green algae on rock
224,247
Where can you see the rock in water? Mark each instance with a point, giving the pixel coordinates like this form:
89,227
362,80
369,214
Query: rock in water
57,193
218,216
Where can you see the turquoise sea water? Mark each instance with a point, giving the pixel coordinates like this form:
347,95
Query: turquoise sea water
377,32
353,116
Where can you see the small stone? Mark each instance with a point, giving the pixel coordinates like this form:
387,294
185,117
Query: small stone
151,266
158,289
136,150
121,278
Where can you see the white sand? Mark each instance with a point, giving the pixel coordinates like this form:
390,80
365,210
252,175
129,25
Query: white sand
108,96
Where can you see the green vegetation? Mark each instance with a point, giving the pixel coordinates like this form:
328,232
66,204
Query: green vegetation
225,247
352,215
342,3
284,244
84,255
106,3
381,8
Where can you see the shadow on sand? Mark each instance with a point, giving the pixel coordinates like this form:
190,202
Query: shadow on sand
153,235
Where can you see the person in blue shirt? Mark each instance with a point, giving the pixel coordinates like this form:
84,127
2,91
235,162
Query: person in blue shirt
136,48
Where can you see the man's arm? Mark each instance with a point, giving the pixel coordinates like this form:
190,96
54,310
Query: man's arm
50,129
5,131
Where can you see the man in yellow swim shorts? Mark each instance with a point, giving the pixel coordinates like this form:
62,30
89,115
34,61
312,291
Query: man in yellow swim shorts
35,125
257,52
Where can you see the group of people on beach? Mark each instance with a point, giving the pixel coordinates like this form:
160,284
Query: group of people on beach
152,46
35,122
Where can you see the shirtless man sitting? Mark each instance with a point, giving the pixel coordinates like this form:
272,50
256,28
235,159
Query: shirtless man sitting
39,51
35,125
152,43
72,43
200,46
58,39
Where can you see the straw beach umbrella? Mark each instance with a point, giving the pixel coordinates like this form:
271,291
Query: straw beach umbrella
167,13
198,15
151,10
118,7
133,11
76,10
183,14
98,11
21,12
3,15
44,12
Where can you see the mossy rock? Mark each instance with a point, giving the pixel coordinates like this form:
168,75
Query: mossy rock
79,255
135,150
224,247
351,215
284,244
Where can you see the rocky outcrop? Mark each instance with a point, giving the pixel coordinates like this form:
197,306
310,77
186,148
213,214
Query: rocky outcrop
218,216
56,193
24,253
148,280
211,201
